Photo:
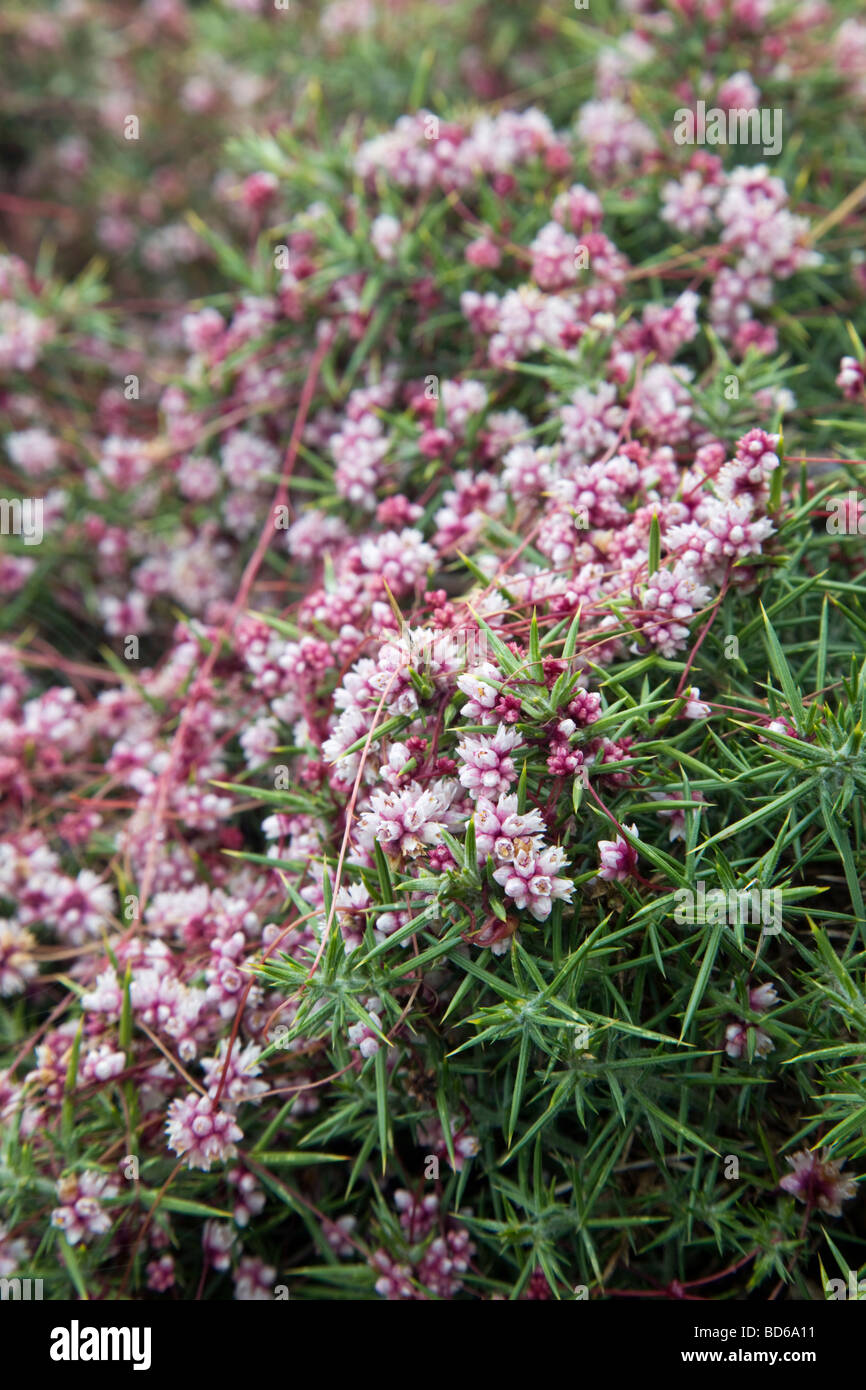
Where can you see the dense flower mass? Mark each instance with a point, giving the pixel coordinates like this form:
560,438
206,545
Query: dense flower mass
416,575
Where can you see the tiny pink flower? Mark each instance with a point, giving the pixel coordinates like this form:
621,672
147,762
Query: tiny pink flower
736,1040
498,827
13,1253
394,1281
530,878
618,858
483,253
259,190
337,1234
17,964
201,1132
817,1181
217,1241
695,708
160,1274
385,235
361,1035
851,378
488,770
81,1216
254,1280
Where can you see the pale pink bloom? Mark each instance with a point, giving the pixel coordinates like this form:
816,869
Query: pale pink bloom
483,693
101,1064
361,1035
498,827
404,822
17,965
530,878
669,601
394,1279
201,1132
254,1280
736,1040
817,1181
160,1274
337,1235
762,997
444,1261
259,189
34,451
242,1083
695,707
352,903
14,1254
483,253
850,379
80,1215
251,1199
203,329
217,1239
488,769
739,92
385,234
618,858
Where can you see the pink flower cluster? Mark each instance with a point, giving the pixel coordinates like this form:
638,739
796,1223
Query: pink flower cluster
81,1216
444,1259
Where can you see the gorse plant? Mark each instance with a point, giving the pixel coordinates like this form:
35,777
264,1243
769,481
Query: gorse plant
432,717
